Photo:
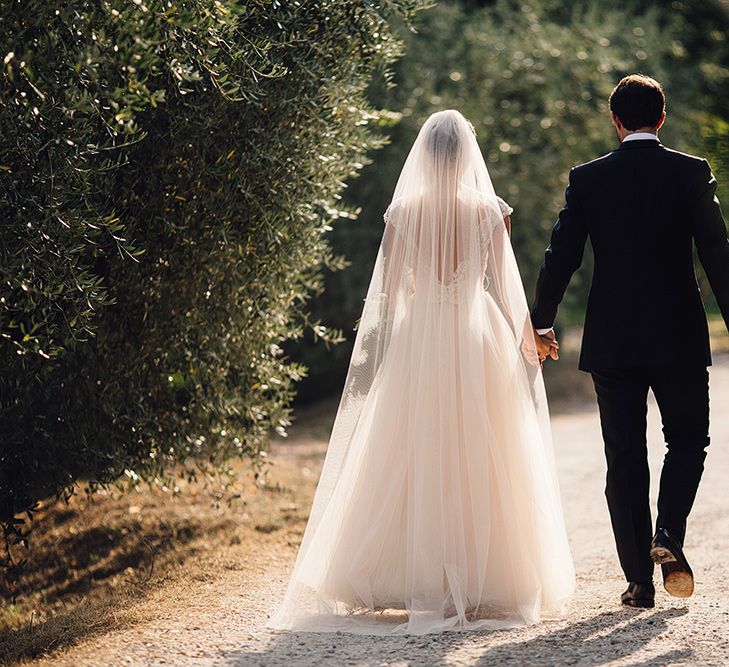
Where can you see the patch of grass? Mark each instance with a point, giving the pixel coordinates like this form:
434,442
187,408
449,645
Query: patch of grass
109,561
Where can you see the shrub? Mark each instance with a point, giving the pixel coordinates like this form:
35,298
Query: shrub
168,174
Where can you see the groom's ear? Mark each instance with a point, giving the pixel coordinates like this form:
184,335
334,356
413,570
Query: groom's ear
660,122
616,121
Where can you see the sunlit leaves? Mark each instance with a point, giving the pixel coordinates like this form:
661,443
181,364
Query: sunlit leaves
164,203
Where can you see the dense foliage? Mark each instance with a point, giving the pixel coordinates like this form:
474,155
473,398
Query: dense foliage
534,78
167,173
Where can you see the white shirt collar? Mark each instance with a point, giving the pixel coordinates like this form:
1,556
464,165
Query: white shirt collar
641,135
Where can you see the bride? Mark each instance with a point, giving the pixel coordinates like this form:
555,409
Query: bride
438,505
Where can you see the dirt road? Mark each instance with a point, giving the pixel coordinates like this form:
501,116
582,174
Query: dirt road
218,620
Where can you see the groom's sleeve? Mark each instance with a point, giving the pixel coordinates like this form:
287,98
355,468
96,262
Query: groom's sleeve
561,259
711,241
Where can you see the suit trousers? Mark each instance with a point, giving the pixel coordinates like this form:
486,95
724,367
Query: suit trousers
682,395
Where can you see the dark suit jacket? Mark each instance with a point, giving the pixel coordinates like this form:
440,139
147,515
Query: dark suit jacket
642,207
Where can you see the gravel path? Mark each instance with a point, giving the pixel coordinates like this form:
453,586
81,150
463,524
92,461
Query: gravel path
219,622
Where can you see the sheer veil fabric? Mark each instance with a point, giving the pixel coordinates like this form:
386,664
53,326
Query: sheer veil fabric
438,505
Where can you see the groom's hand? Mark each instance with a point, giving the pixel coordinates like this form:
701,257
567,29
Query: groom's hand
553,346
547,345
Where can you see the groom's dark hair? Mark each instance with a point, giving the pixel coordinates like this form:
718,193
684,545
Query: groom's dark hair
638,101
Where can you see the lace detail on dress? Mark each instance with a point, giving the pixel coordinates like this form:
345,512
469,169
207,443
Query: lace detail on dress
505,208
456,289
450,291
392,212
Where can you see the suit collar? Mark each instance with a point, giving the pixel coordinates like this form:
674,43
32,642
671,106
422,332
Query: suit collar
639,143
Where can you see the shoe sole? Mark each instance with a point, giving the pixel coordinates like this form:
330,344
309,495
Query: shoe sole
678,583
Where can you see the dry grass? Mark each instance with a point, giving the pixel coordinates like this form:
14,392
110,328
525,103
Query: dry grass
107,562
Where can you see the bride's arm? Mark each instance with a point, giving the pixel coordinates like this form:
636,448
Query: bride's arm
506,288
506,211
396,256
388,250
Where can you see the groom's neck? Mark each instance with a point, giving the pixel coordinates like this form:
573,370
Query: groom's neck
626,133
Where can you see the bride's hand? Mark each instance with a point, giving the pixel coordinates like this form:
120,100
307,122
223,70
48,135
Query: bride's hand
547,346
530,354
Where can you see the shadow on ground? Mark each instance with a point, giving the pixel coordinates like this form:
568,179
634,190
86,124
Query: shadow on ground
599,640
90,563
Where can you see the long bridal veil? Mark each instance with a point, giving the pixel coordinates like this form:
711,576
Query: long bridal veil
438,505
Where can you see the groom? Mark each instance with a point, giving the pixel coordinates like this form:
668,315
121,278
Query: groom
643,206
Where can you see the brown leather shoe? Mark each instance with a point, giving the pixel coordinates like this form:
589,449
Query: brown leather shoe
678,579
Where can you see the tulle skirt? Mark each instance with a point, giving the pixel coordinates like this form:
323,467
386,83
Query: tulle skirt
445,512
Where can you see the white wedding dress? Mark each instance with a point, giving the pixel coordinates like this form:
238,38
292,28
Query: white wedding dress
438,506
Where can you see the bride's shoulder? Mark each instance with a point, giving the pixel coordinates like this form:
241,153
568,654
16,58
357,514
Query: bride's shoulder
488,204
397,206
504,206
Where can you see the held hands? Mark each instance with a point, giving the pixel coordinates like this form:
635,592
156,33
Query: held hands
547,346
